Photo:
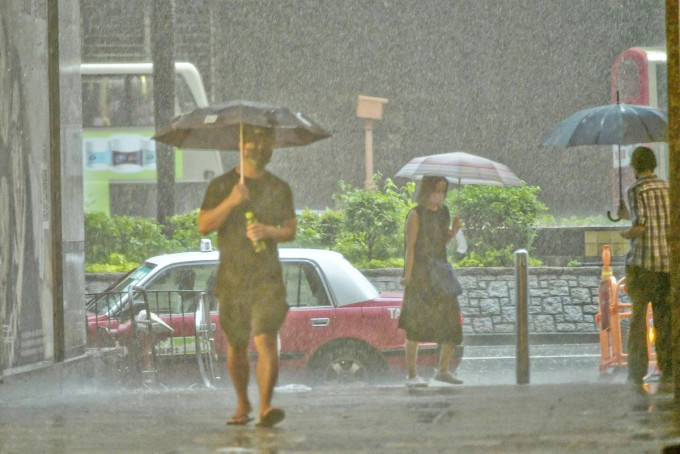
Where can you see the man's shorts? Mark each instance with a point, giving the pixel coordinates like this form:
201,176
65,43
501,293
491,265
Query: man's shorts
261,311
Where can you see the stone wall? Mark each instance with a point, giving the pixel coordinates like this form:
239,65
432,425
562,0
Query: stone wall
562,301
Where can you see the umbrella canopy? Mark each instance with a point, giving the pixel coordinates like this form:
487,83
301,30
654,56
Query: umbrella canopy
460,168
612,124
219,126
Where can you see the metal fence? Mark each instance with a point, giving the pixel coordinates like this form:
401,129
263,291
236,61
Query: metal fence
160,337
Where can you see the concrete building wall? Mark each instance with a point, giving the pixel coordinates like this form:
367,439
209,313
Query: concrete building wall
27,282
73,230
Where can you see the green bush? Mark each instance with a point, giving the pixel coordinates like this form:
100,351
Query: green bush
101,238
183,233
373,224
114,264
394,262
496,221
120,243
141,238
318,230
367,228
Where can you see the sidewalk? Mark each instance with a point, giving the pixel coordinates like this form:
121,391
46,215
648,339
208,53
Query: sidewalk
548,418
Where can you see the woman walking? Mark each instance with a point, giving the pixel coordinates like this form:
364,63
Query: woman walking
430,313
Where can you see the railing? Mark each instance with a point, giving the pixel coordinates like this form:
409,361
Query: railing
172,345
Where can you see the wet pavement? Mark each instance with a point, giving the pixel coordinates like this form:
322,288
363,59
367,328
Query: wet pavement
580,414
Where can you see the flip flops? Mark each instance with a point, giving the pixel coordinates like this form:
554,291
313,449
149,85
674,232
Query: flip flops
240,420
271,417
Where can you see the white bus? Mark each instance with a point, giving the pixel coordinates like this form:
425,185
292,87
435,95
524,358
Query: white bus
118,123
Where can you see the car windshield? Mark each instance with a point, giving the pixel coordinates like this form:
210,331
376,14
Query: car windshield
101,303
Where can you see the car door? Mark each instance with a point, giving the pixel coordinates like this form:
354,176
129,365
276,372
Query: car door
311,320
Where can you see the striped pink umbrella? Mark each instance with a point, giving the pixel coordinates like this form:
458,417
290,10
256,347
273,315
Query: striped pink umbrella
460,168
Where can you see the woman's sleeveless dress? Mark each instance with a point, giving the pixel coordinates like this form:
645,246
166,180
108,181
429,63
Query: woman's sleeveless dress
425,316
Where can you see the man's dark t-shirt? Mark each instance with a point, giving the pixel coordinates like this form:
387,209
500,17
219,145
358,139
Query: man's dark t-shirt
244,275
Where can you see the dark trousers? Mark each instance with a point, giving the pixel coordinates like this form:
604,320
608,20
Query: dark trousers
645,287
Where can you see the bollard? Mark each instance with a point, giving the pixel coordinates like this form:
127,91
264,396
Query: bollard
522,300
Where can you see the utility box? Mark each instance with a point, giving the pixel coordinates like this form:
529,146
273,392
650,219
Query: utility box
370,108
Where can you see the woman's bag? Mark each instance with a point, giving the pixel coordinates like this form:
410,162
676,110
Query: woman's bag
443,278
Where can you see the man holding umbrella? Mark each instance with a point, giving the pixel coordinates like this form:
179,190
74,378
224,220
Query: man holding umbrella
249,282
647,266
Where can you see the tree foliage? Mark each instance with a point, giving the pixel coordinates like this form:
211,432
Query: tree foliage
373,224
366,226
123,242
497,222
318,229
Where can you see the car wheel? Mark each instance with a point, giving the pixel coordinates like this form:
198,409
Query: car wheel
346,363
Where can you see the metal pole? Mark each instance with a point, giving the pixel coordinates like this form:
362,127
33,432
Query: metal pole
522,299
369,184
163,57
673,58
54,105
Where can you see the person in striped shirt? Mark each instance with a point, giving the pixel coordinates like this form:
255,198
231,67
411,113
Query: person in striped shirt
647,266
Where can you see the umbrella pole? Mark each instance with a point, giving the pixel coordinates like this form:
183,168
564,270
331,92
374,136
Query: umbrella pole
621,204
240,148
458,199
620,184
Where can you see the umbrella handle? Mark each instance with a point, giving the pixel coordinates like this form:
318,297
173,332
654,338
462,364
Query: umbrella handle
609,215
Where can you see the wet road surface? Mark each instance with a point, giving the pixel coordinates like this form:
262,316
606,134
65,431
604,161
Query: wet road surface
580,414
363,419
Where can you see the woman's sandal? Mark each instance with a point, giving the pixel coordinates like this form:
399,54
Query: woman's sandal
239,420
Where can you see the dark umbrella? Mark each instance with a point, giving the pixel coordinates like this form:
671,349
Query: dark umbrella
220,127
612,124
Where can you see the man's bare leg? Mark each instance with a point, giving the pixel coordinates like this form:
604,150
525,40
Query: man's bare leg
267,370
239,370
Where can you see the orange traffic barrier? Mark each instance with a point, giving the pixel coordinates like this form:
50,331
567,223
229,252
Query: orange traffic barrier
610,313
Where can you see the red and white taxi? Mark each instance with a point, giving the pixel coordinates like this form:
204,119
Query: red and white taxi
339,326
